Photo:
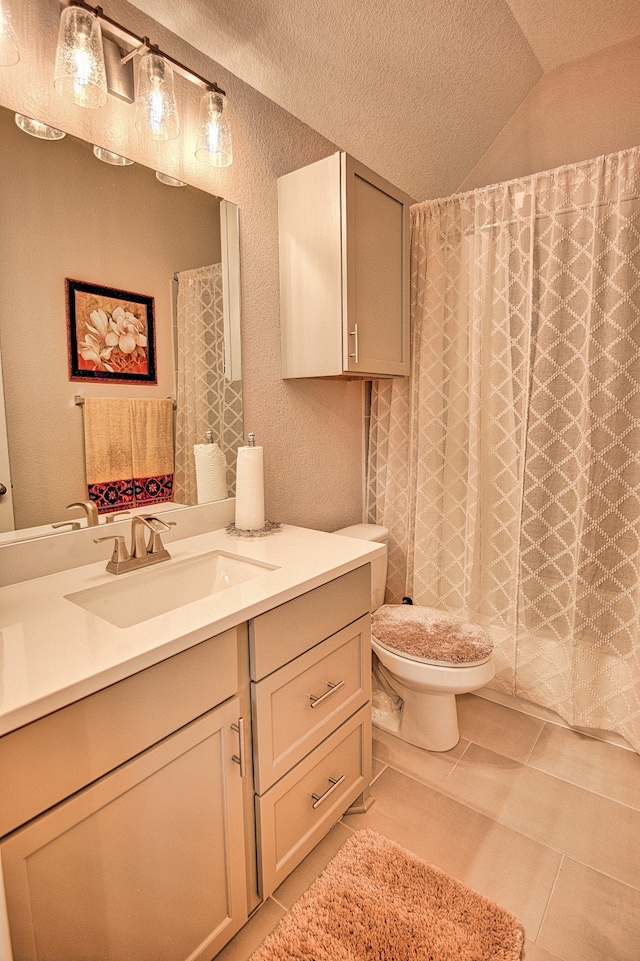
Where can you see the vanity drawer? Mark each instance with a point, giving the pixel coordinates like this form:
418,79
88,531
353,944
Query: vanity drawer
299,705
51,758
296,813
293,628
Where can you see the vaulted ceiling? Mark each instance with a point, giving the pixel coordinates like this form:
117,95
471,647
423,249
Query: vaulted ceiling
416,89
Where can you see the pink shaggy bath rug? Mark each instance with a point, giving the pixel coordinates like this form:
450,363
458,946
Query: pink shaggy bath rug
376,901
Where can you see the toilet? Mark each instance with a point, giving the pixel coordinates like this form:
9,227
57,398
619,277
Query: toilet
427,655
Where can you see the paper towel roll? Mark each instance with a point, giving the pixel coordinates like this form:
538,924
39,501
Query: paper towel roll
250,489
211,473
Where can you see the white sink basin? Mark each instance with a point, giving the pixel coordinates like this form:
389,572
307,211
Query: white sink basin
140,595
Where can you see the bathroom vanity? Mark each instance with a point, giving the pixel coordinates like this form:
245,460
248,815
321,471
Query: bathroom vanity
160,779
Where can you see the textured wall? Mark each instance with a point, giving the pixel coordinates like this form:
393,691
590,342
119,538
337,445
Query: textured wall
576,112
311,431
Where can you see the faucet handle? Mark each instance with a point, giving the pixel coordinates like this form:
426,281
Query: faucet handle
157,527
110,518
120,552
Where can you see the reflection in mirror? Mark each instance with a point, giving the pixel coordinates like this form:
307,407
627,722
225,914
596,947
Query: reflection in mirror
65,214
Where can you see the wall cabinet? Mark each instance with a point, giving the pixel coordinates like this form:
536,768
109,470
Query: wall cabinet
344,272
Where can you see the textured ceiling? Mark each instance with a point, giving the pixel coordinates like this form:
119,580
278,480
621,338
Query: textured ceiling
416,89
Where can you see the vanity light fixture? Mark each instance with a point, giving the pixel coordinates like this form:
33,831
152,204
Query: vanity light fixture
35,128
169,181
214,131
80,74
9,51
109,157
156,104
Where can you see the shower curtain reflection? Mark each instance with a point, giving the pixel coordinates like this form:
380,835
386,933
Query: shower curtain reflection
508,470
206,400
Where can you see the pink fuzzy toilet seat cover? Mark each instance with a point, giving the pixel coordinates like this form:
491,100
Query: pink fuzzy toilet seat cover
431,635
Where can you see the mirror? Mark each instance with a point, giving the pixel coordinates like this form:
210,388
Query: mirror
65,214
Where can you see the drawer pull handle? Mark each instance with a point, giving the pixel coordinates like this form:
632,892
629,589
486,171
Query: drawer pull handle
332,688
356,349
335,782
240,757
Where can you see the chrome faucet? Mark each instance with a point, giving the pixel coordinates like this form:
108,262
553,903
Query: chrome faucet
90,510
143,552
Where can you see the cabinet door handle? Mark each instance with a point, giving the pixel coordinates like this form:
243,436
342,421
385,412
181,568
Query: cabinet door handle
332,689
335,782
356,350
240,757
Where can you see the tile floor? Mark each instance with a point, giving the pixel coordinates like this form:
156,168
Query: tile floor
541,819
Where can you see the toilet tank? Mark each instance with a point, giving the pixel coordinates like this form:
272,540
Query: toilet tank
380,535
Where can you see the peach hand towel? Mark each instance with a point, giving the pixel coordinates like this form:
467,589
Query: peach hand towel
152,450
107,445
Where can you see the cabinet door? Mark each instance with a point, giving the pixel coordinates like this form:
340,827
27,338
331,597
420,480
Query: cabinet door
146,864
376,268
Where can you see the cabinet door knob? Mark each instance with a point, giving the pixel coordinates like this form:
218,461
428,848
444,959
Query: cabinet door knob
239,758
335,782
332,689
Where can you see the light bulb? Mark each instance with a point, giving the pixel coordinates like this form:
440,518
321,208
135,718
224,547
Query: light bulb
214,130
35,128
169,181
156,107
109,157
80,74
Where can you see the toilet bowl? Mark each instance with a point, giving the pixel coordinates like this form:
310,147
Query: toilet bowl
429,657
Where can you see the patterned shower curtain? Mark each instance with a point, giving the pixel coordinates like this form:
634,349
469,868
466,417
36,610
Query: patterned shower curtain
205,399
508,468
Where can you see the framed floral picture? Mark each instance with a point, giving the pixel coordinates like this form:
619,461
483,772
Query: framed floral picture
111,334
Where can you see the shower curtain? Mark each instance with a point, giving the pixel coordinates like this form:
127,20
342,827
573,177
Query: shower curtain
508,468
205,399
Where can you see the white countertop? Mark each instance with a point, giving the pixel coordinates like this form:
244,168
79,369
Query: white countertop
53,652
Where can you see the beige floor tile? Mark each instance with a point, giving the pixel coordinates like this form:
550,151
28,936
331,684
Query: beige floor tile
503,865
312,866
595,765
594,830
532,952
498,728
430,767
591,917
377,768
251,936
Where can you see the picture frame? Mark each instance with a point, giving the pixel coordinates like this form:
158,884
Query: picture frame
111,334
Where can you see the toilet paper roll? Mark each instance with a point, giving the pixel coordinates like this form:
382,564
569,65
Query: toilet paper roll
211,473
250,489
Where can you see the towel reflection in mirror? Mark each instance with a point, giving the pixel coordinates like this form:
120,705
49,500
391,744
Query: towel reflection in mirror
129,451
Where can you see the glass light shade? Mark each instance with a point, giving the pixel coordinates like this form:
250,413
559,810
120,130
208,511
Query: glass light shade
156,107
9,52
35,128
80,74
214,130
109,157
169,181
